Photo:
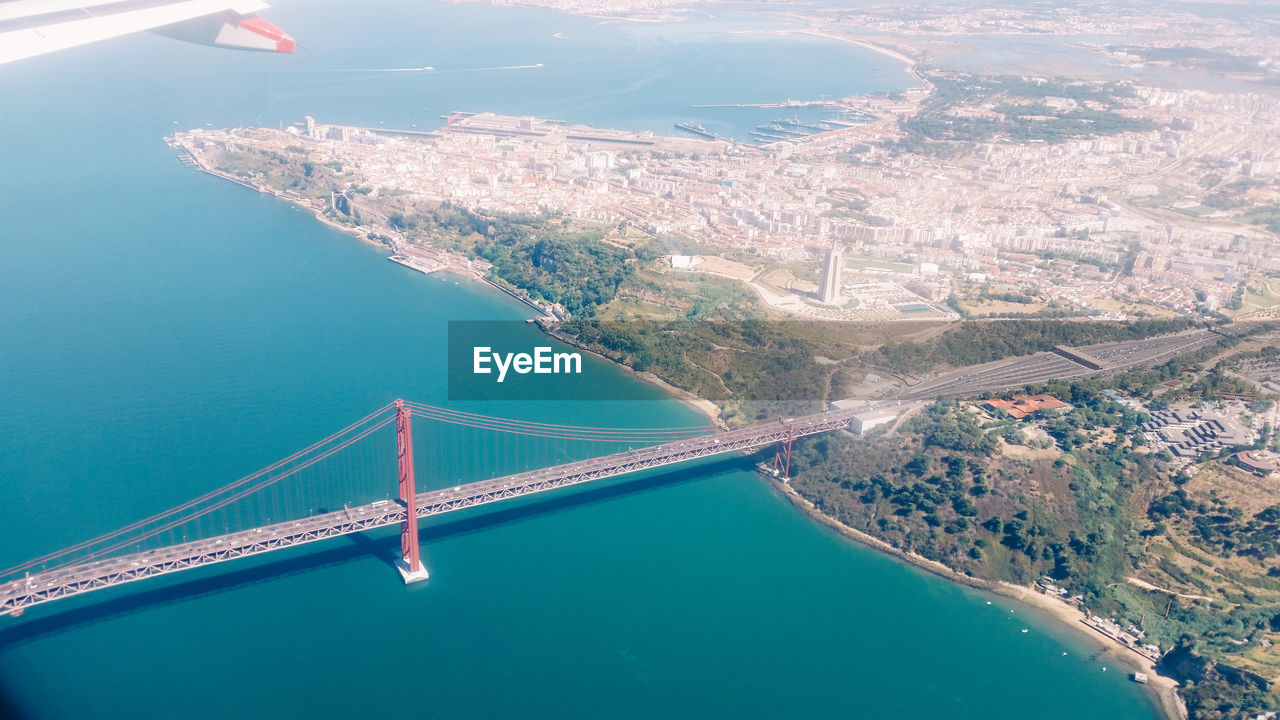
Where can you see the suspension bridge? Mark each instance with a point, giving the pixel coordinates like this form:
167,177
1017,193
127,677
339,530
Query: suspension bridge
295,501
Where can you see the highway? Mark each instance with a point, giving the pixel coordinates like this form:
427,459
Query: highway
1044,366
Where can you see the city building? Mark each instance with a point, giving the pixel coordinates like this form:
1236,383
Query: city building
1189,433
829,290
865,421
1259,462
1023,406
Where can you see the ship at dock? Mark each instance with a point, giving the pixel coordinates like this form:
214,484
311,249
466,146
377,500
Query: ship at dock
697,129
790,129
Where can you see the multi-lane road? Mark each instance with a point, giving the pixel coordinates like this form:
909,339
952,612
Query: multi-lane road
1044,366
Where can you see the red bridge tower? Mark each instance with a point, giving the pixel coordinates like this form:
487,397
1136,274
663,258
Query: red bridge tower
410,564
782,457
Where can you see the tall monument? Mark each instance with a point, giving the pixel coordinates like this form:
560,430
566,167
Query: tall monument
829,289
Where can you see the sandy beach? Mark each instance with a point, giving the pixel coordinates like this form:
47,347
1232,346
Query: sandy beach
887,52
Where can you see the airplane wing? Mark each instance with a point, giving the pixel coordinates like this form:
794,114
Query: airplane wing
35,27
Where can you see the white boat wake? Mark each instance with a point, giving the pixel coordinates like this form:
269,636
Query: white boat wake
486,69
423,69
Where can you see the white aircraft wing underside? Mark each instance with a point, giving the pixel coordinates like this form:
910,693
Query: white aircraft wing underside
35,27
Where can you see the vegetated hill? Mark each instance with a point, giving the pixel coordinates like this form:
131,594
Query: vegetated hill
951,488
1010,107
1080,497
550,258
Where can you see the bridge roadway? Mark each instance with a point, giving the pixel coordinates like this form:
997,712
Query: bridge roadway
49,585
1044,366
75,579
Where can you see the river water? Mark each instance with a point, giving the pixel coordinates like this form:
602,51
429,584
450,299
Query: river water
163,332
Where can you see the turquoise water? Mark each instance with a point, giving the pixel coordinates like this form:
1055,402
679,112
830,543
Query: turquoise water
162,332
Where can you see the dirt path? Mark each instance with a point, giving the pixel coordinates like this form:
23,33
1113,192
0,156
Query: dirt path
1156,588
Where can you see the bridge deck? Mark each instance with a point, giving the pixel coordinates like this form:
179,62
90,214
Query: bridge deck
75,579
85,577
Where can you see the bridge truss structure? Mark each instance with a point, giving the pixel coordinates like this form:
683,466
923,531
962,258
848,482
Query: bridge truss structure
92,565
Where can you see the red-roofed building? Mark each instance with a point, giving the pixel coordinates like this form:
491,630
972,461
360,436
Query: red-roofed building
1259,462
1022,406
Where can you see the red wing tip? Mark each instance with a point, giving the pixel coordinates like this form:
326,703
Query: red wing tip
283,40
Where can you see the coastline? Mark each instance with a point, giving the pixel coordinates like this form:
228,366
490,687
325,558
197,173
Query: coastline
910,63
198,163
1160,689
702,406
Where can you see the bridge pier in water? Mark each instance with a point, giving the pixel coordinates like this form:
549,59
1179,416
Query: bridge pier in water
410,563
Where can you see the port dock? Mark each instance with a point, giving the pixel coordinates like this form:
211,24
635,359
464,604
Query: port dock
697,129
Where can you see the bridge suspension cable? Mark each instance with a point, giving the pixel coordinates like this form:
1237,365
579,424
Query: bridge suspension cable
96,564
554,431
245,492
175,515
219,498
